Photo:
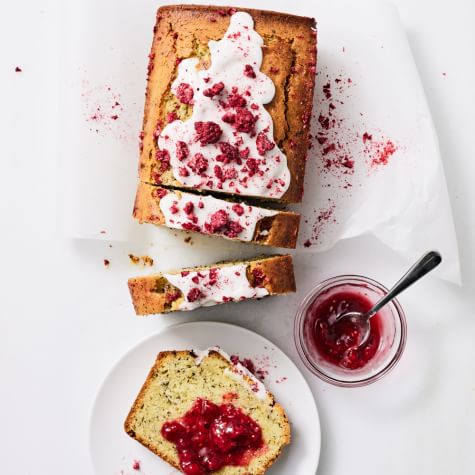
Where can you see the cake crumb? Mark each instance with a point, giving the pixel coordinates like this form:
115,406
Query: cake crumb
147,261
103,231
134,259
188,240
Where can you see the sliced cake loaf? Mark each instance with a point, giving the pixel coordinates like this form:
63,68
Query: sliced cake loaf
229,101
185,382
190,288
209,215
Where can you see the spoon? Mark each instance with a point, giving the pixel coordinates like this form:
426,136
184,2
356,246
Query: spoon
424,265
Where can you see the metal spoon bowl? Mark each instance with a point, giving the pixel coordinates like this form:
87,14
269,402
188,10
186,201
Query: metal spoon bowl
360,320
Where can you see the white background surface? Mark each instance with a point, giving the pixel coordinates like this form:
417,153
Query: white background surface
65,319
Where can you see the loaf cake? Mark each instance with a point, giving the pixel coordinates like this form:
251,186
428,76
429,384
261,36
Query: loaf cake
210,215
190,288
228,101
202,413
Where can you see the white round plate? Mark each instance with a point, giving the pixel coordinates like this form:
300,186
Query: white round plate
113,451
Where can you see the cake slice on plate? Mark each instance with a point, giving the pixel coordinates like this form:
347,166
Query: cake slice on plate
203,414
194,287
209,215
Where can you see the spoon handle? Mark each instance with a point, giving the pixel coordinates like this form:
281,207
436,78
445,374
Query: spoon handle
424,265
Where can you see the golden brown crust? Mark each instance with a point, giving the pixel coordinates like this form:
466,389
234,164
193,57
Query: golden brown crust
149,293
280,230
289,58
139,401
278,272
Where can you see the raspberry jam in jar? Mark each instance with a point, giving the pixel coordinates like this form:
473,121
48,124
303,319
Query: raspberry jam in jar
210,436
329,346
337,340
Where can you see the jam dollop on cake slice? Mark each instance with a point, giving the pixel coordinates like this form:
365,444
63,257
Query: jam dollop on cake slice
202,413
210,436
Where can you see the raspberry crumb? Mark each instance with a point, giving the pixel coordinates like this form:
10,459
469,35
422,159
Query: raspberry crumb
214,90
249,71
189,206
182,150
194,294
244,121
238,209
263,143
185,93
106,263
136,465
164,157
259,277
18,70
199,164
207,132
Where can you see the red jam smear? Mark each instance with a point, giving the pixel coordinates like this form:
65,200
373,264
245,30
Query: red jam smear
336,342
210,436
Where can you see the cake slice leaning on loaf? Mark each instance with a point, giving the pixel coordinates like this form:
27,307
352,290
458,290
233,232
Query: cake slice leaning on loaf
233,281
180,379
209,215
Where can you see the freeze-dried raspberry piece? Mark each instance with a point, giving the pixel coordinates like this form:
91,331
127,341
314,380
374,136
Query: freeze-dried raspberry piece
198,163
263,143
233,229
229,153
249,71
213,273
207,132
182,150
182,171
252,165
218,172
171,117
164,157
194,294
218,221
185,93
189,207
174,208
230,173
190,227
229,118
172,296
235,99
259,278
214,90
244,153
159,193
238,209
244,121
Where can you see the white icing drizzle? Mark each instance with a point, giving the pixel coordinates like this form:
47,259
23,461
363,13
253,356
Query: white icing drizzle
201,214
214,286
263,172
237,373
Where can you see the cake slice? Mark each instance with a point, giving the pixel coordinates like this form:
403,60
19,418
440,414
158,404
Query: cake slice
229,101
202,414
191,288
209,215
